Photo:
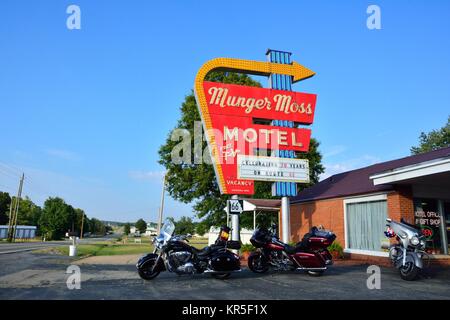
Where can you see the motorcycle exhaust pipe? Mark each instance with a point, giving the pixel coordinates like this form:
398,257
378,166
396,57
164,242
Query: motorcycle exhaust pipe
214,271
311,269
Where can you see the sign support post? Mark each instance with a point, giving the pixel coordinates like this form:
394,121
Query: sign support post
285,219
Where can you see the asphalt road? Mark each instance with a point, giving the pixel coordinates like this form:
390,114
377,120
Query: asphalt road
8,248
36,276
28,246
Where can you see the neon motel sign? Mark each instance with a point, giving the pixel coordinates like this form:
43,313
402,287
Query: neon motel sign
237,122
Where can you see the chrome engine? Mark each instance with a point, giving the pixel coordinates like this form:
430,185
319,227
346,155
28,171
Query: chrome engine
181,262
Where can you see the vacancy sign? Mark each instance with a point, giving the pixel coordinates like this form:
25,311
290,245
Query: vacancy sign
238,121
273,169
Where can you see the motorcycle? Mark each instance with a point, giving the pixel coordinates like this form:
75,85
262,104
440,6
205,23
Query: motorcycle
174,254
310,254
406,255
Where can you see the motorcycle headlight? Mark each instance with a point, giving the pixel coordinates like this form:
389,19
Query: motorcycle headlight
415,241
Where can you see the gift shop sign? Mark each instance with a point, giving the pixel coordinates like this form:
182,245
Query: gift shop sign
237,119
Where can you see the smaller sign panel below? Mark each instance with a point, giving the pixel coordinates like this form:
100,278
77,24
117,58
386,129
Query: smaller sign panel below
235,206
273,169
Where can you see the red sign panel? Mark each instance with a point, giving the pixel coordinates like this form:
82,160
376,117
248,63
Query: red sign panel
241,117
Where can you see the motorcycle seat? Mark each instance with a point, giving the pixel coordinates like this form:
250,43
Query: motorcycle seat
290,249
207,250
301,246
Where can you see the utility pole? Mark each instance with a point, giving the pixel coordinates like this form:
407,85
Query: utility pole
10,217
82,222
13,219
161,208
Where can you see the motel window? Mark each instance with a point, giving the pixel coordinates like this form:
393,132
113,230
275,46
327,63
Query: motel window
366,223
428,220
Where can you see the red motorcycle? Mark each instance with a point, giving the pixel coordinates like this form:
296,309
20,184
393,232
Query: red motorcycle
310,254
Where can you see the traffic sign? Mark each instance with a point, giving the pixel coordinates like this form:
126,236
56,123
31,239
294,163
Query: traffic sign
235,206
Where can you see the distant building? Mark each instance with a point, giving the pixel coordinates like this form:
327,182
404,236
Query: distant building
151,231
134,231
213,233
22,232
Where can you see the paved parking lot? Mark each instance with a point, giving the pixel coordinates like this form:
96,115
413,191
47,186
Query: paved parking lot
38,276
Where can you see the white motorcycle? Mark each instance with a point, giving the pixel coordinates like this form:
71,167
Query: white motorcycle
406,255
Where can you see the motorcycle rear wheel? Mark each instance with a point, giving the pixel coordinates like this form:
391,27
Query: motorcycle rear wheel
145,272
409,271
316,273
257,264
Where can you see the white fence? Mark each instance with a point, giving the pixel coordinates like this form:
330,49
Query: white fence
22,232
246,234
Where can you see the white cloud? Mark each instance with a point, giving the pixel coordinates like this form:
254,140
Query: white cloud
334,150
347,165
63,154
146,175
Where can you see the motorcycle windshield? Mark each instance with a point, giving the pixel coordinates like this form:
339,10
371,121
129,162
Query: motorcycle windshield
166,231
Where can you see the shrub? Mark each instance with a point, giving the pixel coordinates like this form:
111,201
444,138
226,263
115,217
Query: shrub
247,248
336,248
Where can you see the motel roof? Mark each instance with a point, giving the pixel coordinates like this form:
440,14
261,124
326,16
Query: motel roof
358,181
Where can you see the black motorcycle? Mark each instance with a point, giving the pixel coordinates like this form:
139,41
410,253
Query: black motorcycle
174,254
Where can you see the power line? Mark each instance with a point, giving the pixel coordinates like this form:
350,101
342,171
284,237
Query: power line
8,174
14,171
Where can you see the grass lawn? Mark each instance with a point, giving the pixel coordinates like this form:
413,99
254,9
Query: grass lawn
103,249
117,248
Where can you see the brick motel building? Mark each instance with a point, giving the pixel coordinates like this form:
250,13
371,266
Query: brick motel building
355,205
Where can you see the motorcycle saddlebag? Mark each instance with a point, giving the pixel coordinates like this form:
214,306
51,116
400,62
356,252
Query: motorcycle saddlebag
225,261
233,244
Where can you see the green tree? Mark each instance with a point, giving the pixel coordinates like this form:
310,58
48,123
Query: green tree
126,229
184,226
5,201
97,227
141,225
436,139
55,218
28,213
190,182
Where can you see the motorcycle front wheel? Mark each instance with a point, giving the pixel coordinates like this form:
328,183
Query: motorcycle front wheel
145,271
221,276
257,263
409,271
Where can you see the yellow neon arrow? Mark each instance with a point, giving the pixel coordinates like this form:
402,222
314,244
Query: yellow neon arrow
296,70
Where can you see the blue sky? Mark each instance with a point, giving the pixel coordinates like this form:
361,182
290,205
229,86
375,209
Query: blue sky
83,112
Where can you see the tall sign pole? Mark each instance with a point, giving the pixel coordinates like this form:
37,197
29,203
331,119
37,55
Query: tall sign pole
283,189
